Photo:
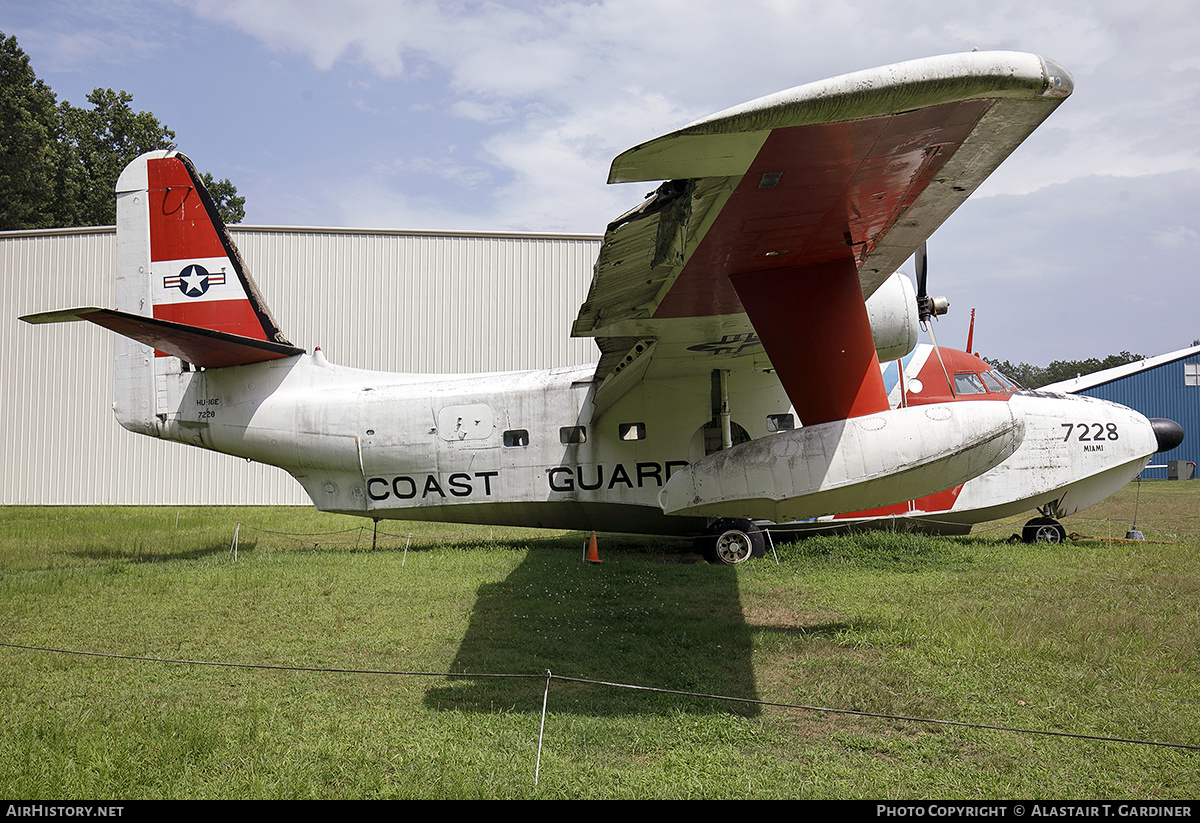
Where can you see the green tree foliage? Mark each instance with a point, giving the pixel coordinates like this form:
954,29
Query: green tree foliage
1033,377
33,164
102,140
59,164
224,194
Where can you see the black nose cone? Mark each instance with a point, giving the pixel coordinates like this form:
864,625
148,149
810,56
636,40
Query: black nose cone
1168,433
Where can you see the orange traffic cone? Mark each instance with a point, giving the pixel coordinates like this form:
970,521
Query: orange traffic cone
592,555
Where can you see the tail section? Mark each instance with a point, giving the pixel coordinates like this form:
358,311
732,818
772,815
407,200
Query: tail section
184,297
167,225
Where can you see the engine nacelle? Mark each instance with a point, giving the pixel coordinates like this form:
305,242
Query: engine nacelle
892,310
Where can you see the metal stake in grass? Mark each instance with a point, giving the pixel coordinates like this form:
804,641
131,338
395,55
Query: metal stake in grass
771,543
542,730
1134,533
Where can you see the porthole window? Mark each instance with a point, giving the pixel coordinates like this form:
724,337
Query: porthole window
780,422
632,431
571,435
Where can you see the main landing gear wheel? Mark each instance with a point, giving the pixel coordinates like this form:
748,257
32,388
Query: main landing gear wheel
730,542
1044,530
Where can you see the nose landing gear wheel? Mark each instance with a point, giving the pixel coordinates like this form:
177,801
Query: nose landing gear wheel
1044,530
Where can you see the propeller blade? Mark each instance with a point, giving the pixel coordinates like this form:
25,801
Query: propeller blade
925,308
922,271
928,308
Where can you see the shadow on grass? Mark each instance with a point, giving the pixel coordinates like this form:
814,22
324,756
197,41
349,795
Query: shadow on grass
638,619
138,553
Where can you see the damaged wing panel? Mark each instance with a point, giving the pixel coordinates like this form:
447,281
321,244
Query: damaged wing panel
859,168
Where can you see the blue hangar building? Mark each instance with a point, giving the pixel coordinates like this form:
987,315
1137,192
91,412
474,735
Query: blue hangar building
1164,386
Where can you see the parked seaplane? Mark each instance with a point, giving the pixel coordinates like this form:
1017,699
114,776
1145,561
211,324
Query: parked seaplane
758,349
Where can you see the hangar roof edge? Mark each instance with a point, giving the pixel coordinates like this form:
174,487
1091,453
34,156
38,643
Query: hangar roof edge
1090,381
246,228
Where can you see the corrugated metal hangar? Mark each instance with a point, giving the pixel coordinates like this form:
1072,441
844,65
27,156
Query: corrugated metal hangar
394,301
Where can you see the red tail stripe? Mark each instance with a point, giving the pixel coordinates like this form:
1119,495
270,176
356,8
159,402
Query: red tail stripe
232,316
180,227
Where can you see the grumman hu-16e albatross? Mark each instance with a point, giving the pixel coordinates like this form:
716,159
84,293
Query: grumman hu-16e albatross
742,313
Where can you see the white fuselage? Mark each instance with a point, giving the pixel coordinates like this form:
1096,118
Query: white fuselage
525,448
475,448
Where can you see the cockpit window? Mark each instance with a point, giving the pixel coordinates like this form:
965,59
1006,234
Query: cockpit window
989,380
1006,381
968,384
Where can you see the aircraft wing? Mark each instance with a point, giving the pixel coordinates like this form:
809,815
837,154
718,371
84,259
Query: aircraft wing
780,216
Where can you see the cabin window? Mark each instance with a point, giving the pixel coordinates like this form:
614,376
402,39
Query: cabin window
516,437
968,384
571,435
780,422
632,431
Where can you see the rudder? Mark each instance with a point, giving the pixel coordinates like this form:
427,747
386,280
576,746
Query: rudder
168,226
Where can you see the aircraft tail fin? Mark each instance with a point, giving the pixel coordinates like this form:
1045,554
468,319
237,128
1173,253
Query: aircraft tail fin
185,300
175,258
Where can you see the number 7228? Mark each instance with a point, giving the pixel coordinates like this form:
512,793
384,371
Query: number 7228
1089,432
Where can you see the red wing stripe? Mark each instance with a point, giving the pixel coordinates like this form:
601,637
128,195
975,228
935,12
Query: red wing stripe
811,190
813,324
933,504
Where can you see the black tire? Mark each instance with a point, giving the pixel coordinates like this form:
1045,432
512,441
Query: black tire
730,542
1044,530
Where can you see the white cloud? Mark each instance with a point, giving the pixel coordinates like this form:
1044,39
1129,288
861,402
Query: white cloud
540,70
1174,237
483,112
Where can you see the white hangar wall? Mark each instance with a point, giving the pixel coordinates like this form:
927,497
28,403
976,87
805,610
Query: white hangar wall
395,301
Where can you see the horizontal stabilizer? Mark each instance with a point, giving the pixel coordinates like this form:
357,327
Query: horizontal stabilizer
203,347
848,465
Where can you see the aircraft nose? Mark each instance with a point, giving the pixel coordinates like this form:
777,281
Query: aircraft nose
1168,433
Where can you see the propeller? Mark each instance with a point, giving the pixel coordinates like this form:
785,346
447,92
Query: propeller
927,306
930,307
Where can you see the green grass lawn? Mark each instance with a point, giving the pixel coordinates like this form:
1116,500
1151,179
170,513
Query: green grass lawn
1092,637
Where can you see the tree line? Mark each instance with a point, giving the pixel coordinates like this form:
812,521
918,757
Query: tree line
1034,377
59,164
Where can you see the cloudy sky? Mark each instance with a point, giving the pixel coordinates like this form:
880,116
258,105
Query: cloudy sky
504,115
